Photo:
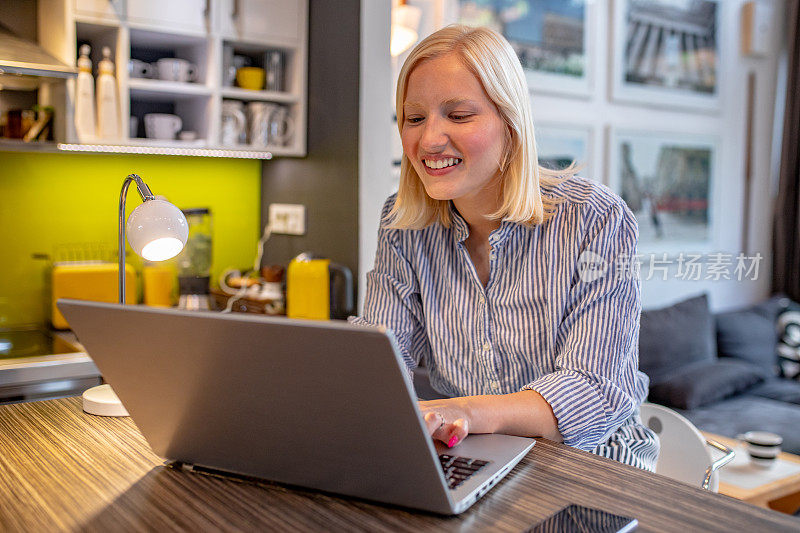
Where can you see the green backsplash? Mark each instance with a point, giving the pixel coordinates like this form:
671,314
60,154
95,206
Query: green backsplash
48,200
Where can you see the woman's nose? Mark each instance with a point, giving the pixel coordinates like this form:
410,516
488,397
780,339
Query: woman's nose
434,136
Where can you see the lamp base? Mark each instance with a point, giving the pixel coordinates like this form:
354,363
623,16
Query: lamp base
101,400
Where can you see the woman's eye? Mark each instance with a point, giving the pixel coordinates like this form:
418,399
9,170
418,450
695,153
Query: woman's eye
413,120
460,116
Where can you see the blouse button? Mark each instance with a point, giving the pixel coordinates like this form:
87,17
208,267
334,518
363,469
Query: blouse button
487,347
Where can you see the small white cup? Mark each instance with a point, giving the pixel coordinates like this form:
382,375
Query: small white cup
763,447
175,69
162,125
139,69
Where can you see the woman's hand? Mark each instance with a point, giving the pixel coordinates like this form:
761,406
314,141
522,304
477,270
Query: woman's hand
447,420
525,413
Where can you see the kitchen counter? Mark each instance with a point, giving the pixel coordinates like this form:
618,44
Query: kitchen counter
41,369
70,470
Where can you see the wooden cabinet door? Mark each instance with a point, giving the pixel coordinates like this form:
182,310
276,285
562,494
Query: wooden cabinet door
273,21
106,9
185,15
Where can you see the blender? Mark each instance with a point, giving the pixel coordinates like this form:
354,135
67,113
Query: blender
194,262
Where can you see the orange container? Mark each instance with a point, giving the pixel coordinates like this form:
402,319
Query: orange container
159,284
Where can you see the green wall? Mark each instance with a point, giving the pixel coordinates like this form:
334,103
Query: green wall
48,200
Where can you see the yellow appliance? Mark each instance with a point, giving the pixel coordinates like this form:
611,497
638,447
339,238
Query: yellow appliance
89,281
310,284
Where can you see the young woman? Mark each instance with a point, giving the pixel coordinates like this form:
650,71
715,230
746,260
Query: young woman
477,269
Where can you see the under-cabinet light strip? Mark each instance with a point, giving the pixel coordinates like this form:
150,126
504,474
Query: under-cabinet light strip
159,150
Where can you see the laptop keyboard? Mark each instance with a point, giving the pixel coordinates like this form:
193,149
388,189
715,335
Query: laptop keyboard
458,469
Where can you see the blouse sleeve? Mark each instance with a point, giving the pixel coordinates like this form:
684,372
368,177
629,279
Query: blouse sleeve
593,388
393,297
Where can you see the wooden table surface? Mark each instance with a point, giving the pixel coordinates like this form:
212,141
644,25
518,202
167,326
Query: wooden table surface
785,490
62,469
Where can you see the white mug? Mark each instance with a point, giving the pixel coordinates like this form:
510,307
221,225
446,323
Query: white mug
269,124
233,123
763,447
162,125
281,126
175,69
258,114
139,69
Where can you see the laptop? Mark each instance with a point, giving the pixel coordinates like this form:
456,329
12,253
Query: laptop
322,405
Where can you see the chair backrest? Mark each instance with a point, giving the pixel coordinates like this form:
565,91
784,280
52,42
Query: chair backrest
684,455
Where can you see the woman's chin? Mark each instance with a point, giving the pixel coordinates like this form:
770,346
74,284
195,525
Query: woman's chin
440,193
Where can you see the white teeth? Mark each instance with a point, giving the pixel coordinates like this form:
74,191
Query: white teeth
442,163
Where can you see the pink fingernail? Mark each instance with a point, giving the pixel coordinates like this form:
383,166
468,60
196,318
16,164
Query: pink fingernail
453,441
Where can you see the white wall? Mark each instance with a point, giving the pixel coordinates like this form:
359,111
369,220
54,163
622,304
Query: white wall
375,131
603,115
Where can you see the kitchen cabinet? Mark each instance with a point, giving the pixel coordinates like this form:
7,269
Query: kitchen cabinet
270,21
214,37
110,10
183,15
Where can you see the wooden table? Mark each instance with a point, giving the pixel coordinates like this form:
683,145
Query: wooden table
62,469
781,495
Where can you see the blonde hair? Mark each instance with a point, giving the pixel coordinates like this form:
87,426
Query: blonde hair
494,63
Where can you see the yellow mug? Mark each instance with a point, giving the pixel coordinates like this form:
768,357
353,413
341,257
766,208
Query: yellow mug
250,78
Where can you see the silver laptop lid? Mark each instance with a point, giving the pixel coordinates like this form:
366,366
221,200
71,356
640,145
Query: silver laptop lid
317,404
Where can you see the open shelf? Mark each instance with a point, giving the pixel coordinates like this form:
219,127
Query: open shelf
160,91
271,35
236,93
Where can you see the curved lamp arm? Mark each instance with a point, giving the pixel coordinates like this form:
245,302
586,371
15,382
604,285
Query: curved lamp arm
146,194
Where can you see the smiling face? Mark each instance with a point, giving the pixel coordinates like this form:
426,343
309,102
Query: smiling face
453,134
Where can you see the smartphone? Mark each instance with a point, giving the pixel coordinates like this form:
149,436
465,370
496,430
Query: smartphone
576,518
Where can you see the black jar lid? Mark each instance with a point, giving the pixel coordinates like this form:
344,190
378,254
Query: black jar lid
196,211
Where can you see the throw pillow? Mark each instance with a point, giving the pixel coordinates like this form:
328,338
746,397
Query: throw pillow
676,336
788,326
705,382
750,336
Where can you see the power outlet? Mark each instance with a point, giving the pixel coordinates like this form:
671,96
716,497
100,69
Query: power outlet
289,219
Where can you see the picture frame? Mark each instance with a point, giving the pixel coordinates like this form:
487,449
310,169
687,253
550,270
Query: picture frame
669,180
553,38
666,53
559,144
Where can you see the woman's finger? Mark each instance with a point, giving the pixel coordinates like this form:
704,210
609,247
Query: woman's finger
433,421
456,432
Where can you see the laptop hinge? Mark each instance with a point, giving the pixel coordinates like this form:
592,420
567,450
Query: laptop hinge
213,472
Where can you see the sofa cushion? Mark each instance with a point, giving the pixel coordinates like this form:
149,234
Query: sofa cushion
748,335
788,326
780,389
704,382
675,336
735,416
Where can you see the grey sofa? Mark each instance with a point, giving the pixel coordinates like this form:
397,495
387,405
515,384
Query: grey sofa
721,371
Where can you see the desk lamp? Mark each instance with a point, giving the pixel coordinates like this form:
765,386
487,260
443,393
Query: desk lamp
157,230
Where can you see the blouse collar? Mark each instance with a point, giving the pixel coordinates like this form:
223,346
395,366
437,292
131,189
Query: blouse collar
461,229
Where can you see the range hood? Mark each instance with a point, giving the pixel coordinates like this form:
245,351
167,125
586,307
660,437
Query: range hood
23,63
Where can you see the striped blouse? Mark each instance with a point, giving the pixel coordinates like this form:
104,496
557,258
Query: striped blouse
536,325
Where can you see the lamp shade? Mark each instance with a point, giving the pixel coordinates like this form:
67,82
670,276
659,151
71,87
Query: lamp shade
157,230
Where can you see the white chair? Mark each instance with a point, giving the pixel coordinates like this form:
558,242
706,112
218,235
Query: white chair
685,454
